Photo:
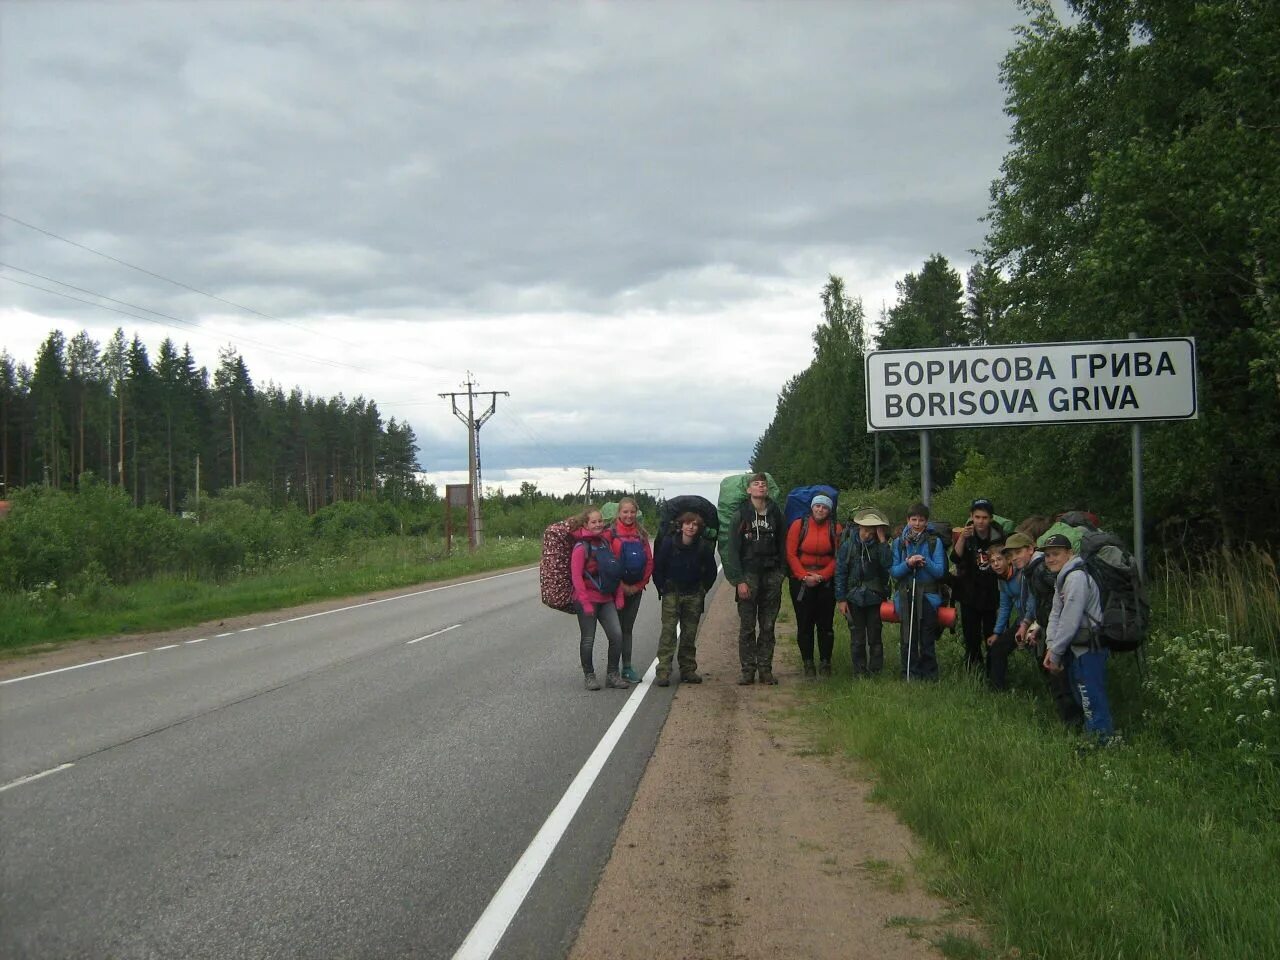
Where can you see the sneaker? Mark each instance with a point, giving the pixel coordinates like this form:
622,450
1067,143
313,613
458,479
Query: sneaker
824,668
591,681
748,677
766,676
810,671
615,682
662,680
630,674
691,677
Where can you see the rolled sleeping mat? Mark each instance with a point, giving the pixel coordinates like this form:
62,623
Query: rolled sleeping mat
946,615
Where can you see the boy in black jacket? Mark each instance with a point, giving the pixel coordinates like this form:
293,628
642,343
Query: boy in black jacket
684,569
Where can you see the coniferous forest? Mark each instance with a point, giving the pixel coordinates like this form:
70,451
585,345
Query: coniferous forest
157,427
1140,194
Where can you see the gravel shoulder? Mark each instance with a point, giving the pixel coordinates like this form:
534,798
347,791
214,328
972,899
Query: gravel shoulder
743,843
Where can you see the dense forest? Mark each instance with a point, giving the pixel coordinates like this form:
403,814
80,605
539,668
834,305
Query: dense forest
156,428
1140,193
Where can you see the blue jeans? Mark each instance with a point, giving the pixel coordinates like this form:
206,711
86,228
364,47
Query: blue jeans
1088,674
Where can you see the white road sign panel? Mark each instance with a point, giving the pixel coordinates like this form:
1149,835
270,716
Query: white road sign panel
1016,384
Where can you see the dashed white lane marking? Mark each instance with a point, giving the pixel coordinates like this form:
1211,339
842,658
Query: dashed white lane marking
167,646
35,776
322,613
485,935
249,629
436,634
230,633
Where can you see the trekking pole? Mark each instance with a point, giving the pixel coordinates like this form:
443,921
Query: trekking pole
911,624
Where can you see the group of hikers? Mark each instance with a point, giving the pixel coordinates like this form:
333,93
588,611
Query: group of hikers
1015,589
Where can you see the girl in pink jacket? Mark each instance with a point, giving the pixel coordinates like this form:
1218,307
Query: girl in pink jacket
631,545
597,588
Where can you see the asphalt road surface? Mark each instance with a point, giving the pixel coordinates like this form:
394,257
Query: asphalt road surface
352,784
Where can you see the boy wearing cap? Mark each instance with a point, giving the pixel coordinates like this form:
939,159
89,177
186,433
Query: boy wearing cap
976,588
862,582
919,564
1007,563
1072,643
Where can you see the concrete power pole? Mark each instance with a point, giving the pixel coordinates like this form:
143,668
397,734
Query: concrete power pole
473,425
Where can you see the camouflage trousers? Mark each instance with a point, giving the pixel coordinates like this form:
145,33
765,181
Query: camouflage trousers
685,611
756,618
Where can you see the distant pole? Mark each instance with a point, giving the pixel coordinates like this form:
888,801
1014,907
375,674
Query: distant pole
1139,545
473,425
876,439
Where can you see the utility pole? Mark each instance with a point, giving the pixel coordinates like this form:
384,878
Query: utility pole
586,484
473,425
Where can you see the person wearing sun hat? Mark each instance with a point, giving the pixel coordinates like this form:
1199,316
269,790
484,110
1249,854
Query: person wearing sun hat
862,582
812,543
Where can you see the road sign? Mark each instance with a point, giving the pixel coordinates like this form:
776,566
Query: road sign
1018,384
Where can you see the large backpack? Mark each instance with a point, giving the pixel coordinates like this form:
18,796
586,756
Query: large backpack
555,577
799,506
632,556
733,492
1126,610
670,509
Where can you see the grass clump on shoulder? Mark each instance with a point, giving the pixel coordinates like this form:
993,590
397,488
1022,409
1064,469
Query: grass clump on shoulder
1161,844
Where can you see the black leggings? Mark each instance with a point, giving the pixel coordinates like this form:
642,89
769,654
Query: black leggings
815,607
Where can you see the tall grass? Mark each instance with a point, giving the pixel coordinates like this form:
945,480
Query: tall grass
1238,591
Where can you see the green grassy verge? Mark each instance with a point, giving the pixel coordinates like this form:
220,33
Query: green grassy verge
1142,850
101,609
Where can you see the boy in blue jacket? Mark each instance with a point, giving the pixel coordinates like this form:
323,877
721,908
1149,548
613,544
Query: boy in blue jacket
919,564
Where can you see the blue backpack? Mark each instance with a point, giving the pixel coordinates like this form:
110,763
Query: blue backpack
800,500
633,559
608,570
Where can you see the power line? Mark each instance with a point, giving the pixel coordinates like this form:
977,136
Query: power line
186,323
176,283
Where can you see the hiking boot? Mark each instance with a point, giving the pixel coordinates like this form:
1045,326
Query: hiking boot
591,682
630,674
662,680
615,682
766,676
748,677
810,672
690,677
824,668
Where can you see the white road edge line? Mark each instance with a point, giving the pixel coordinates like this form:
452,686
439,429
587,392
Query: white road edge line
436,634
88,663
35,776
488,930
126,656
167,646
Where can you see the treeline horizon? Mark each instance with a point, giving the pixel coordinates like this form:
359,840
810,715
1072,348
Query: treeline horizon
157,429
1140,193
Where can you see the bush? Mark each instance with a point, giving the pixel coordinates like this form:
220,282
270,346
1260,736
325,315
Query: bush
1213,698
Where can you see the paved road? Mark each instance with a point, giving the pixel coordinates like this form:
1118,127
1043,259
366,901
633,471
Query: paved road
320,787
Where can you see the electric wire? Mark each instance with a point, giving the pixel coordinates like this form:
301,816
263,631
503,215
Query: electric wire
176,283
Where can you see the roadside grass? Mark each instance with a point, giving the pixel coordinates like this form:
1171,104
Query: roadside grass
1141,850
104,609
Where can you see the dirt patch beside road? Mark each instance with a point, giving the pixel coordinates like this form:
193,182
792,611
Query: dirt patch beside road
743,844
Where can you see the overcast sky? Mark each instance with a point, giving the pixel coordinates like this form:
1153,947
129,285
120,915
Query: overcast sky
621,213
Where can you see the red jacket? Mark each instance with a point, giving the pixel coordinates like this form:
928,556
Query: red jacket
818,552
